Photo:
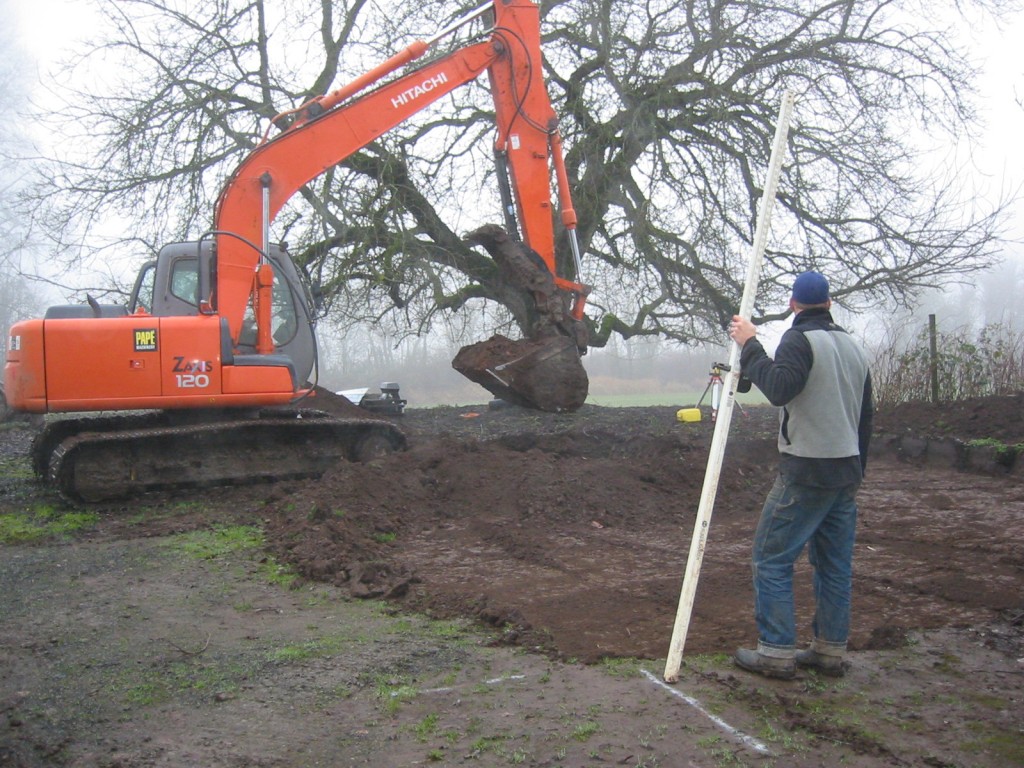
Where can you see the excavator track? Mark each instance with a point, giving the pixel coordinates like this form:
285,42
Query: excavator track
102,459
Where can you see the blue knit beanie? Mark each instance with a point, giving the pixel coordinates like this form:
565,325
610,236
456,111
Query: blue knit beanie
810,288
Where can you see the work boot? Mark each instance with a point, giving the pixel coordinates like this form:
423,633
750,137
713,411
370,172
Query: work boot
769,666
824,664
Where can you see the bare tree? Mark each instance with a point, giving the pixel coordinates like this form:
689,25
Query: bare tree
12,143
668,111
18,300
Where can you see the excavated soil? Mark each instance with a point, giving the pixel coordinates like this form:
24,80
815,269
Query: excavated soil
564,535
570,532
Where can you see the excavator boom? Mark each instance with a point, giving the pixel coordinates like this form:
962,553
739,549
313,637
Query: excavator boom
329,129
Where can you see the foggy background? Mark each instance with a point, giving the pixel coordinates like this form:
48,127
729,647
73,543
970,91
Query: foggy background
638,371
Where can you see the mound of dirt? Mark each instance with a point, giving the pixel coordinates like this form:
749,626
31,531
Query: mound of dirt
570,531
980,418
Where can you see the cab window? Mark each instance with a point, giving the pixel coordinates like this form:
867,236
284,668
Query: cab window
284,319
142,296
185,280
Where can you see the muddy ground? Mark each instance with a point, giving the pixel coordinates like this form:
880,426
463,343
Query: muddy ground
503,594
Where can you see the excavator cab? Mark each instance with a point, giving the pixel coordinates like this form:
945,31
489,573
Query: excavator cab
174,283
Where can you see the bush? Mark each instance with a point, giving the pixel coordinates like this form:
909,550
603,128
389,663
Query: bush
990,363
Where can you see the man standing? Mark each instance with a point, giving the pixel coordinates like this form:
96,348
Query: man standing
820,380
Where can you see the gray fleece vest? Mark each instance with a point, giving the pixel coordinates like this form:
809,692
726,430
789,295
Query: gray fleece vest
822,421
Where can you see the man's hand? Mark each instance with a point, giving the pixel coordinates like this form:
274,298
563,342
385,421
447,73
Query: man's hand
741,330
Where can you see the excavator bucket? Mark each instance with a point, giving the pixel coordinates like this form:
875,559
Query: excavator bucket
545,373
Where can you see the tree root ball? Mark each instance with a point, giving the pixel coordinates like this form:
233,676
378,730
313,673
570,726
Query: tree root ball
546,374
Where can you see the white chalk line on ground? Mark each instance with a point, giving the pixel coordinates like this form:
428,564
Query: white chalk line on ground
749,741
492,681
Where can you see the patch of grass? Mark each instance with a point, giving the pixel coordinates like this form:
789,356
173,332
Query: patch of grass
728,755
320,647
1005,454
16,469
815,684
783,737
584,731
220,542
622,667
152,686
486,744
277,573
146,693
296,653
702,662
43,521
1007,745
392,692
384,537
217,542
427,727
449,630
404,624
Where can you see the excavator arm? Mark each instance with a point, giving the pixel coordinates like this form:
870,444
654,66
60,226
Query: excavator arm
327,130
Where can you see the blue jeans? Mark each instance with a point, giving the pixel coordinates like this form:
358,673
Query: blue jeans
824,519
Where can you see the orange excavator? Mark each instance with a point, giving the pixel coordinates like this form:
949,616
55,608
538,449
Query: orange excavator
214,352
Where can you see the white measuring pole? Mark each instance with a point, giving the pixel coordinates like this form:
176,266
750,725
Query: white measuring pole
721,434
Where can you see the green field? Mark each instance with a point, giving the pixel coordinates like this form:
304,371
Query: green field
680,399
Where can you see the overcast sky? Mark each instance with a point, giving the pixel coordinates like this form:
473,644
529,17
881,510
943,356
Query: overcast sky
47,27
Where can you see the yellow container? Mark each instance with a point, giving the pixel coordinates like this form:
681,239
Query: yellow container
688,414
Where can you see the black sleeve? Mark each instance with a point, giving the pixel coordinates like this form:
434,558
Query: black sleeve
867,418
783,378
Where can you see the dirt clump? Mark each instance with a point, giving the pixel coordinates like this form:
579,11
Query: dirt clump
542,370
1000,417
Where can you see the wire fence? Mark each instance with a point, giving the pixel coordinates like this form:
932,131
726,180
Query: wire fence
958,365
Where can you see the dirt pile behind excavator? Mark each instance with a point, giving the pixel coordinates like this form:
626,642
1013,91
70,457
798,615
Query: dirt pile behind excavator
544,370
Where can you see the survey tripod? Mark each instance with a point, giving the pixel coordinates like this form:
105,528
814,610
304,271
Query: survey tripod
715,386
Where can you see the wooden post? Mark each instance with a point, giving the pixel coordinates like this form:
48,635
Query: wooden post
933,358
721,434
